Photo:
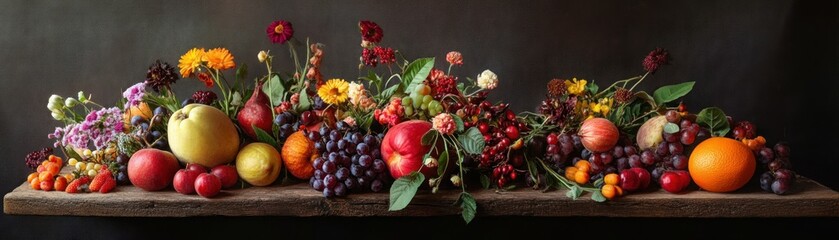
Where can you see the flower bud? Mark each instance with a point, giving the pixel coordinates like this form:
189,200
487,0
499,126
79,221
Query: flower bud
56,99
433,182
262,56
71,102
53,106
58,115
455,180
430,162
81,96
237,99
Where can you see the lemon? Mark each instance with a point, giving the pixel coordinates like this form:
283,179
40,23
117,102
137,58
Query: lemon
259,164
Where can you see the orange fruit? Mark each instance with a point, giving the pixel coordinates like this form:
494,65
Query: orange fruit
721,164
141,110
298,153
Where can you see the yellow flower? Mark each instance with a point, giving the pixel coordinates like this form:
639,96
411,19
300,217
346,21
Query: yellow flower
220,59
190,61
576,87
334,91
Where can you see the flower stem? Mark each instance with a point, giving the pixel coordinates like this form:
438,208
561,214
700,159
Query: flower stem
639,81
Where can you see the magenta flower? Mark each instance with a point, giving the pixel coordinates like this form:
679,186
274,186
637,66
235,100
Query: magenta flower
279,31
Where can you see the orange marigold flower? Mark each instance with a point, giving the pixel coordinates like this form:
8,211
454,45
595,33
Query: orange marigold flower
220,59
190,61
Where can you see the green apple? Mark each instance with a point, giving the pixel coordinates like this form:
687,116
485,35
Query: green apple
203,135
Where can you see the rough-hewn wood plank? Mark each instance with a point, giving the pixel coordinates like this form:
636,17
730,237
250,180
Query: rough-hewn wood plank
809,199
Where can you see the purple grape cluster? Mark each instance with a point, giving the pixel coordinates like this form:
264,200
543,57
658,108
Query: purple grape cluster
349,161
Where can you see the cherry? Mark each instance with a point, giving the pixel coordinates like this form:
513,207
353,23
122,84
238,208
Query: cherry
674,181
512,132
552,139
483,127
643,177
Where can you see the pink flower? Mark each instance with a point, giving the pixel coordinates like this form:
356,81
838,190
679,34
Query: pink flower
454,58
444,123
295,98
279,31
350,121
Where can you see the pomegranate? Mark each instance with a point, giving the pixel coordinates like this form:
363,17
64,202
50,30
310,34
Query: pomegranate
598,134
256,112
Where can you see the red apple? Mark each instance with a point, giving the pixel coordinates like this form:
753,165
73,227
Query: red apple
184,181
227,174
152,169
196,167
629,180
403,151
598,134
207,185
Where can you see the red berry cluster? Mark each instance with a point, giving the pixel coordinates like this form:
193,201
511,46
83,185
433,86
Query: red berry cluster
391,114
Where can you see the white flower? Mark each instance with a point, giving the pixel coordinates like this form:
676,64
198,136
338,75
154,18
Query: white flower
355,93
455,180
55,102
237,99
487,80
58,115
262,56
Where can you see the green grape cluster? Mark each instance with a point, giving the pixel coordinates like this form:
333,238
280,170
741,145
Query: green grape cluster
419,104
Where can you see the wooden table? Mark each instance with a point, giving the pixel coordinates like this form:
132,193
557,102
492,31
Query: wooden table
810,199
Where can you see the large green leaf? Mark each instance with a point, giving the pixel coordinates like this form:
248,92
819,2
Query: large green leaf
472,141
484,181
242,72
469,206
416,72
429,137
714,118
669,93
647,98
404,189
390,91
274,89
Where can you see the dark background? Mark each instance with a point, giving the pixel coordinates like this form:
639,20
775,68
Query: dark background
771,62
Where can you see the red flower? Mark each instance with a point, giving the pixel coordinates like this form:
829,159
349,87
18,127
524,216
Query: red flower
655,59
280,31
204,97
370,31
206,79
385,55
368,57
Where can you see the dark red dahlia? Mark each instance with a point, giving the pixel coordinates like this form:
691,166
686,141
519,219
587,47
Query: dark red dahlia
655,59
34,159
279,31
370,31
160,75
368,57
204,97
385,55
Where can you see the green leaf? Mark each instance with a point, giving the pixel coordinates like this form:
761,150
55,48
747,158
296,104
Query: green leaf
305,103
469,206
531,167
597,196
574,192
263,136
275,90
714,118
460,87
242,72
647,98
669,93
484,181
592,87
599,182
458,122
404,189
472,141
389,92
416,72
441,163
671,128
429,137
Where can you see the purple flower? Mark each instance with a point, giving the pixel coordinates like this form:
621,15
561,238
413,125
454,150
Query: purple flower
100,126
134,94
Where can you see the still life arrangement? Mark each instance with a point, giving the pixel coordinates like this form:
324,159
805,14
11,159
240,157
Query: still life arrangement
403,126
